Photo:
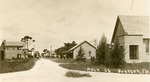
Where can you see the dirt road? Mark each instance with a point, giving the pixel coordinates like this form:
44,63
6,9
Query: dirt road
48,71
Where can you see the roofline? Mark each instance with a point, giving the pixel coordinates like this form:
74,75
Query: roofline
126,34
134,15
81,44
134,35
131,35
115,29
6,45
14,46
146,38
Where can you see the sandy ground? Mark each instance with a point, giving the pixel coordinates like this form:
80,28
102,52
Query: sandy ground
48,71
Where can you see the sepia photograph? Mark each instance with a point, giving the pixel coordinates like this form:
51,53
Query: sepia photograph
74,41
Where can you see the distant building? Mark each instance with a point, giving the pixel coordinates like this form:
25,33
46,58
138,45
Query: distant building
133,33
52,54
89,50
11,49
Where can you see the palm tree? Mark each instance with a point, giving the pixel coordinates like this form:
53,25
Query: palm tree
26,39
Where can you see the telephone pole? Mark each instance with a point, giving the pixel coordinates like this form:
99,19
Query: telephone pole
50,48
132,4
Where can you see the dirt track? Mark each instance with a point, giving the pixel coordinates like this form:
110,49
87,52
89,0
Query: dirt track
48,71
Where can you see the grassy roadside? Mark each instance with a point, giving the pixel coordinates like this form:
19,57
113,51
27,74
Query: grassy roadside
136,68
77,74
16,65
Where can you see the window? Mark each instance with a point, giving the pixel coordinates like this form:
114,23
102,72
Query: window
90,53
11,48
133,51
8,48
19,48
18,55
146,42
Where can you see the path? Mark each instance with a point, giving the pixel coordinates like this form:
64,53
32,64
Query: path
48,71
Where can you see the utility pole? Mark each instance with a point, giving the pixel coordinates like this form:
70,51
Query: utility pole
50,48
132,4
95,42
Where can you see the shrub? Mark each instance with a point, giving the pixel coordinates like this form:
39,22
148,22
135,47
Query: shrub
80,56
76,74
117,55
16,65
102,51
93,60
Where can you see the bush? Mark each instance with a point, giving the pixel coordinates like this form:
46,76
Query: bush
87,66
117,55
76,74
93,60
102,51
80,56
16,65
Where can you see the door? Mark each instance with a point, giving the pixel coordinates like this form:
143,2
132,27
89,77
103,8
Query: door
133,51
2,55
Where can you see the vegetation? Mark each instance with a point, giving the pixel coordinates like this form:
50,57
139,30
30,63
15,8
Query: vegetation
26,40
77,74
63,61
77,65
44,52
80,56
117,55
16,65
107,57
60,51
113,56
102,51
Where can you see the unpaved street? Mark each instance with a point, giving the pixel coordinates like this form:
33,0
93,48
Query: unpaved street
48,71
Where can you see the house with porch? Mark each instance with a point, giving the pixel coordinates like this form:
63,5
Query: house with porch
133,33
11,49
88,48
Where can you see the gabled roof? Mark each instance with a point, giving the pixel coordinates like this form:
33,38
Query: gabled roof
135,25
78,45
12,43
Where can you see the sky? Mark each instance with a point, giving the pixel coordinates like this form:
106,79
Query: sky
55,22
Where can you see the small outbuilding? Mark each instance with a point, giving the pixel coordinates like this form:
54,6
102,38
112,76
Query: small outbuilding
88,48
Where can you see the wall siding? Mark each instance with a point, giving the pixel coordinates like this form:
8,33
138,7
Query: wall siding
86,47
12,53
135,40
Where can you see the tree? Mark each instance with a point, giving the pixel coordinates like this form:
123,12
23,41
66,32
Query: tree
26,39
102,51
60,51
46,53
69,45
117,55
80,55
45,50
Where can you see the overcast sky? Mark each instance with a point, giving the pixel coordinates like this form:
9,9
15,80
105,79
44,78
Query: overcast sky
54,22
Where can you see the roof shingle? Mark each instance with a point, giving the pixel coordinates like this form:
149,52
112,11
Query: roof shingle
9,43
136,25
80,45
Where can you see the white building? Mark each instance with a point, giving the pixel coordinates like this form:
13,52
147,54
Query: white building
133,33
89,50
